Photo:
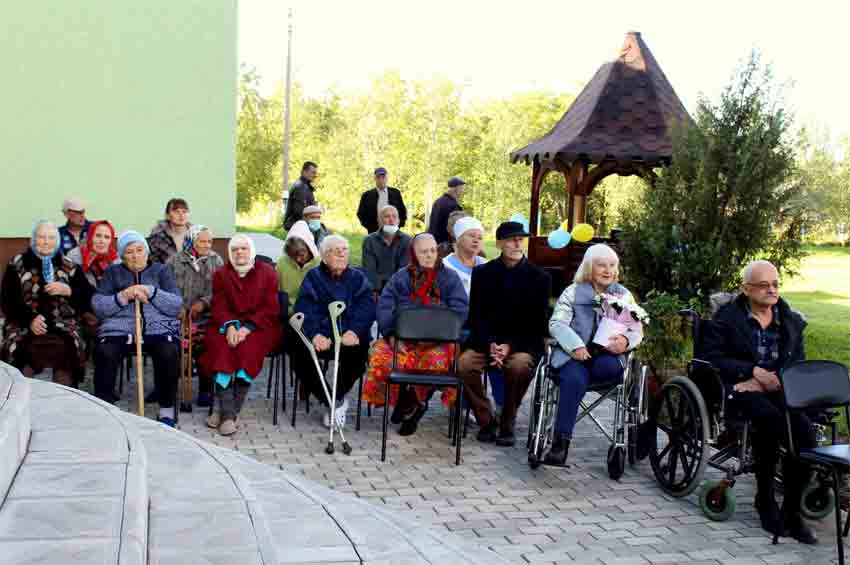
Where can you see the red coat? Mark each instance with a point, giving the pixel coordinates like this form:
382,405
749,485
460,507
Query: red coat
251,300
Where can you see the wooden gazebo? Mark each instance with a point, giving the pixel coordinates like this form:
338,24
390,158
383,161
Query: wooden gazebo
621,123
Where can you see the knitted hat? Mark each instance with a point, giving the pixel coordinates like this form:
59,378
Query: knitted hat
465,224
128,237
312,210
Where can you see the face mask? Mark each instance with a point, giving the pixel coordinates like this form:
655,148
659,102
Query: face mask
315,225
390,229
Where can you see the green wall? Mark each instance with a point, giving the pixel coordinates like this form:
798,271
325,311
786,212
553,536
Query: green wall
125,103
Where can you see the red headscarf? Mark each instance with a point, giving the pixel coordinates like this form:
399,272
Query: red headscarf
93,262
423,282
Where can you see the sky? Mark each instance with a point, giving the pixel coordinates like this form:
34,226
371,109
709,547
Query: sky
496,48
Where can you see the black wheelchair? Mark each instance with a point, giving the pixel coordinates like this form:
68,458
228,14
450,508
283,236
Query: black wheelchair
630,410
691,430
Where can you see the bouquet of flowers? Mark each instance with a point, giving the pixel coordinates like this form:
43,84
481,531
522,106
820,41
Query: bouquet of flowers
618,317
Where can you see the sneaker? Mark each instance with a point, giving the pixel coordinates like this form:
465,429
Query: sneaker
227,427
487,434
205,400
340,413
800,531
214,420
170,422
326,419
506,439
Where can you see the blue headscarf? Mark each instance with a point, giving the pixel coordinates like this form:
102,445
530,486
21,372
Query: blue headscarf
46,260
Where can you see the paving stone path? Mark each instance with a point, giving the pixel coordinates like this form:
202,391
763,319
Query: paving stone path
574,515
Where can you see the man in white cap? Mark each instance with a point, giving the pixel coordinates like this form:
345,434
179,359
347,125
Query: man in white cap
73,233
313,217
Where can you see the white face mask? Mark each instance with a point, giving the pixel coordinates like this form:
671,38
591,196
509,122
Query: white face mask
390,229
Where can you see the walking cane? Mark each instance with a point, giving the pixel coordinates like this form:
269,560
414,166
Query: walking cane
186,403
297,322
140,377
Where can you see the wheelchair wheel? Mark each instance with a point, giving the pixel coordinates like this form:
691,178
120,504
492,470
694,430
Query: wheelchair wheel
616,462
817,500
544,410
717,500
679,451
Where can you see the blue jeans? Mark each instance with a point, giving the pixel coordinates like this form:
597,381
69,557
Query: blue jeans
575,378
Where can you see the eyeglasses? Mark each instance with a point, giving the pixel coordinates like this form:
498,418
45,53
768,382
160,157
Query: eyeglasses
764,285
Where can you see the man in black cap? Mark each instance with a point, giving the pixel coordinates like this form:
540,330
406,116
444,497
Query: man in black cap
508,321
301,194
375,199
445,205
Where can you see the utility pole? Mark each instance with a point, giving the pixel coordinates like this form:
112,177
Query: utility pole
287,122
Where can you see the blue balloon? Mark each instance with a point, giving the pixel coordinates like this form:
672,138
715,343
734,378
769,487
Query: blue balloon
519,218
559,239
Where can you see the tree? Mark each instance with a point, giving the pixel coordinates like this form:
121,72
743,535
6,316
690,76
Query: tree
729,196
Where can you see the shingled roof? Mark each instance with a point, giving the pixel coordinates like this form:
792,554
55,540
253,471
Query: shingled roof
626,112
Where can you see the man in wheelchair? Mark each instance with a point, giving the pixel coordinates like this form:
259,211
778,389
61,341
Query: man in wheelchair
750,340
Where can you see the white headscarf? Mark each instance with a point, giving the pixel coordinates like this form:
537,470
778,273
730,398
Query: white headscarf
241,238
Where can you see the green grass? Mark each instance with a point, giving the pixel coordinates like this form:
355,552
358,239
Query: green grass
355,240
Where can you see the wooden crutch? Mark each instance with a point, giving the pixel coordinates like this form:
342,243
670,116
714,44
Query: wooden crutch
186,404
140,377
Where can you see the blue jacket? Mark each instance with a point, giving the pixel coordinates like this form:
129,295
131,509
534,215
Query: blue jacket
396,296
318,290
159,315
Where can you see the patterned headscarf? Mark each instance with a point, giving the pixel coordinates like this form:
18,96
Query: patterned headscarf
46,260
94,262
423,282
189,245
241,238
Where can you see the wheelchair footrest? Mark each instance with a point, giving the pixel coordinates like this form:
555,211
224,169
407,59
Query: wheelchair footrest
645,436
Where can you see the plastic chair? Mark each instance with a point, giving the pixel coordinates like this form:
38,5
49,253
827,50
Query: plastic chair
277,356
811,386
436,325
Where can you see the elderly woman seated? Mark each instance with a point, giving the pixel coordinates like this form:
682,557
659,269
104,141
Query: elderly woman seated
152,286
424,283
97,252
42,296
581,361
193,269
244,328
334,280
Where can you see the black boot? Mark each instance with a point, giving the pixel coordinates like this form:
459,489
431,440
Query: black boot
557,455
765,502
799,530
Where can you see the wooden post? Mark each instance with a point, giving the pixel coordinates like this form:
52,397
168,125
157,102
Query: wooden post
536,181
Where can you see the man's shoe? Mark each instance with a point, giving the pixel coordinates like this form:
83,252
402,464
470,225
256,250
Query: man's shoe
487,434
170,422
227,427
506,439
152,397
800,531
409,425
214,420
205,400
557,455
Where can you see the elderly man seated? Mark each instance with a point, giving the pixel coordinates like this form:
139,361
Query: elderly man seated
751,340
153,286
508,311
313,217
386,250
334,280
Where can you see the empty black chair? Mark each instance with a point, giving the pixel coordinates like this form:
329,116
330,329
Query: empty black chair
436,325
812,386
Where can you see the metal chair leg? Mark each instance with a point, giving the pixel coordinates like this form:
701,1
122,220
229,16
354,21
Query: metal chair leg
457,431
283,366
273,375
839,539
359,404
385,422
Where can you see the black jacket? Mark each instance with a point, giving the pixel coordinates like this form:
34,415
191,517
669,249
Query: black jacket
509,305
367,212
438,224
729,345
301,195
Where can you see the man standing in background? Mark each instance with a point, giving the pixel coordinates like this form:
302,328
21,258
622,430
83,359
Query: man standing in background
445,205
301,195
73,233
374,200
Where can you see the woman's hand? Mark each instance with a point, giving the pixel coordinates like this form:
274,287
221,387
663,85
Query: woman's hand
197,309
232,336
58,289
38,326
321,343
242,333
618,344
350,338
580,354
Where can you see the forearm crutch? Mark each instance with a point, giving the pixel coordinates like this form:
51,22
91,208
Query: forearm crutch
186,404
336,309
297,322
140,377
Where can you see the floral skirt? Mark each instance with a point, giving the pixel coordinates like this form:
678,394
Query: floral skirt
434,357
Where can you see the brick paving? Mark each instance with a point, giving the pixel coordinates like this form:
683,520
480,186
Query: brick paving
574,515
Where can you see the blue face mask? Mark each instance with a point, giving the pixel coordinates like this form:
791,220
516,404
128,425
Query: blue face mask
315,225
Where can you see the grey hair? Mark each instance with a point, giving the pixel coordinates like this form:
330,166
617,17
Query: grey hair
386,207
596,251
747,274
330,241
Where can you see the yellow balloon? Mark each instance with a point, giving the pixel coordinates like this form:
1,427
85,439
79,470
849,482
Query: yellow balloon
583,233
565,225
